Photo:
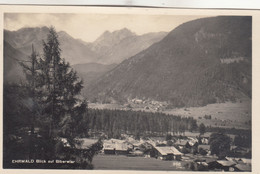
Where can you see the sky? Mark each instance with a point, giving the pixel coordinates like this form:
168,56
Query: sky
88,27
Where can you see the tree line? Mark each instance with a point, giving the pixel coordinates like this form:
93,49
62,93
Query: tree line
115,122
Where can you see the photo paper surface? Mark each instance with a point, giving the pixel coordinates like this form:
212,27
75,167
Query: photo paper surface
128,89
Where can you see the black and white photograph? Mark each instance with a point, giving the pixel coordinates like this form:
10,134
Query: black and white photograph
127,91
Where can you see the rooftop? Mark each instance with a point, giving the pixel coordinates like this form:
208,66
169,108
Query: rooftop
168,150
243,167
204,146
226,163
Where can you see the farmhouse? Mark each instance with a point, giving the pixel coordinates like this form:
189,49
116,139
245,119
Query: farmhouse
168,153
222,165
109,149
117,147
121,149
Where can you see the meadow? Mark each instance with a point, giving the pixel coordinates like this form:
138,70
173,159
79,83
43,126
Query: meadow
120,162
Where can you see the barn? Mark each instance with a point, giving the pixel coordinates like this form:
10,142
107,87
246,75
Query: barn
168,153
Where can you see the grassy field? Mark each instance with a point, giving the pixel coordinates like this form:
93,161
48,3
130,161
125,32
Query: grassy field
222,114
119,162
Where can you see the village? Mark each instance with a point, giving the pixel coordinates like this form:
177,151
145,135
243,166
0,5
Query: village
182,152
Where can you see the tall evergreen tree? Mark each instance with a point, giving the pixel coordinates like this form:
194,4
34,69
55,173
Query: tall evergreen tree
30,68
60,88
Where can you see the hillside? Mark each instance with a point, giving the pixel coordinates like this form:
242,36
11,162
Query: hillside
89,72
186,68
12,70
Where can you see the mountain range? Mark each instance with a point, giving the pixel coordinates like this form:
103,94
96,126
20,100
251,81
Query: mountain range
203,61
109,48
114,47
72,50
208,60
104,53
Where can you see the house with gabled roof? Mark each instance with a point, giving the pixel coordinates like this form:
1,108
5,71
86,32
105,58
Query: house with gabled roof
222,165
168,153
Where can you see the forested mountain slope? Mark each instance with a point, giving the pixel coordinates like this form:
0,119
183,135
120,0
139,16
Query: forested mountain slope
200,62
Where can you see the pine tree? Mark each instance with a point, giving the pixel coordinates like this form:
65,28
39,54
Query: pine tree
60,87
30,70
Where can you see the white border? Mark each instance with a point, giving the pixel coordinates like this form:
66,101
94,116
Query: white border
215,4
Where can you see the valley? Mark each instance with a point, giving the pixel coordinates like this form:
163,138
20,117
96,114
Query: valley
225,115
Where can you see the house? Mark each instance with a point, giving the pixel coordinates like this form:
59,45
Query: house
205,148
146,146
136,153
204,141
187,146
161,143
183,143
206,135
231,159
119,147
243,167
246,161
238,151
200,165
193,147
147,149
109,148
193,143
243,164
222,165
168,153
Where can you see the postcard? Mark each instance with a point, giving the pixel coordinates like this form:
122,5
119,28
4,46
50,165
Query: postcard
126,89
